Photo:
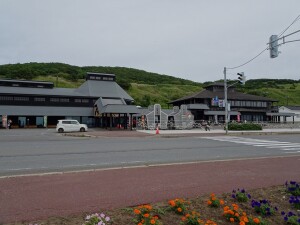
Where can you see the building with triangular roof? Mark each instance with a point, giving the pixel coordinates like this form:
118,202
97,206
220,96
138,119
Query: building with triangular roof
209,104
38,103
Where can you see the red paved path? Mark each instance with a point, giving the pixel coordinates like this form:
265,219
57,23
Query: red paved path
38,197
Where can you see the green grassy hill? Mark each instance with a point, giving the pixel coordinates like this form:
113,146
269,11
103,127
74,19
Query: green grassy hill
145,87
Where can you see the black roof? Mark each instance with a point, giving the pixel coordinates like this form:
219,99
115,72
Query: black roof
205,94
293,107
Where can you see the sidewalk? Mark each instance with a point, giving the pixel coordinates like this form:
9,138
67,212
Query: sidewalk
175,133
32,198
222,132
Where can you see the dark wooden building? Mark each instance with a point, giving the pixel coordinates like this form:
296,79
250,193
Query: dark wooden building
99,101
209,104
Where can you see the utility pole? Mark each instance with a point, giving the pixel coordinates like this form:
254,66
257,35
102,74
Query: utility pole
226,104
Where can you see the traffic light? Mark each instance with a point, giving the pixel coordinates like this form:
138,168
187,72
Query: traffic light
273,46
242,78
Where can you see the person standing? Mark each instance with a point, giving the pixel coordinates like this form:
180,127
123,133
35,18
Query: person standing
9,124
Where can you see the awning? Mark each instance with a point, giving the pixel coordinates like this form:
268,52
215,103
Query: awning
280,114
131,109
45,111
220,113
110,105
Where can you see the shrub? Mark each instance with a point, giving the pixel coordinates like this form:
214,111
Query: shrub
214,201
291,218
256,221
179,205
244,126
144,217
141,210
240,195
295,201
232,213
293,188
193,218
96,219
263,207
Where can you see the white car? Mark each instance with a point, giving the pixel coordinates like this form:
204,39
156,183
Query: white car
70,125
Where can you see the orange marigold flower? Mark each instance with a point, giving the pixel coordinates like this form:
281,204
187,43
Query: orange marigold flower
237,215
146,215
231,219
172,203
221,202
256,220
187,215
183,218
179,209
140,223
152,221
226,208
209,202
242,223
137,211
213,198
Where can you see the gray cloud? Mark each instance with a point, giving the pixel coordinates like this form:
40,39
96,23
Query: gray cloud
191,39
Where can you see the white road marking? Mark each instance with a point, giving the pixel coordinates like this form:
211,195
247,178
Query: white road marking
280,145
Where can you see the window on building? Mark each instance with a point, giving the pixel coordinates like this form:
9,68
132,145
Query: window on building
85,101
6,98
77,100
54,99
21,99
38,99
64,100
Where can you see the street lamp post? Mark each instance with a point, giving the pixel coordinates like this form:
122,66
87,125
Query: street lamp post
226,104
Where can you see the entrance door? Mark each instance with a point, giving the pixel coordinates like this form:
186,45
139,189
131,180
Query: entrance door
21,121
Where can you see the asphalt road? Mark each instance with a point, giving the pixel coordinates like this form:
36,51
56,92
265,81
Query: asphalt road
43,151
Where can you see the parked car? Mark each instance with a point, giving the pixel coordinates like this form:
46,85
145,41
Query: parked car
70,125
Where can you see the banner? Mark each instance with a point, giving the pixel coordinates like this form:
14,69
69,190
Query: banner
4,121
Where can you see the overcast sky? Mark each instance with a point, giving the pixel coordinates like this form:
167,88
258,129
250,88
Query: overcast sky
190,39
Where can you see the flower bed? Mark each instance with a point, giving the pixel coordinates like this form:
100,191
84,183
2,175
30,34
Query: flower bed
274,207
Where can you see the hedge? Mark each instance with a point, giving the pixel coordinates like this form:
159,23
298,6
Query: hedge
244,126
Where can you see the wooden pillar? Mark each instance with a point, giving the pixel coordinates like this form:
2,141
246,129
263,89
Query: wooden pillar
131,122
293,120
110,121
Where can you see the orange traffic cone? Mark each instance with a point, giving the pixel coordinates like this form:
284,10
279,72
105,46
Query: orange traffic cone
157,130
